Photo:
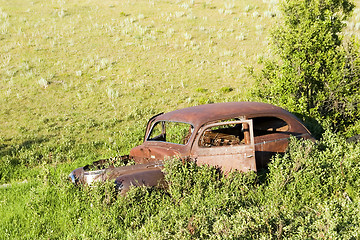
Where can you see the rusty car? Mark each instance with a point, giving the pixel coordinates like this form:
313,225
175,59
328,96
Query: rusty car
240,136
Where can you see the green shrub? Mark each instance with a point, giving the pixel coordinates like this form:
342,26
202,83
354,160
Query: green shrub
316,71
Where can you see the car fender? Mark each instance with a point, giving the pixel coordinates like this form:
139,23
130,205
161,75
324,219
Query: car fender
148,178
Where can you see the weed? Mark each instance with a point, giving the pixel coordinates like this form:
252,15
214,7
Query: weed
241,37
226,89
201,90
43,83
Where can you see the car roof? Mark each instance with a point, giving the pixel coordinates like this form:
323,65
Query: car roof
199,115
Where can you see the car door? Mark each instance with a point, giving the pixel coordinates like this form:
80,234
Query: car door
228,145
271,136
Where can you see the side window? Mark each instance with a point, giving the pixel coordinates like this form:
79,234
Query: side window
172,132
225,135
157,132
178,132
269,125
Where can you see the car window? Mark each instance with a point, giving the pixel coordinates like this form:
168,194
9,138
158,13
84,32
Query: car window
269,125
157,133
224,135
172,132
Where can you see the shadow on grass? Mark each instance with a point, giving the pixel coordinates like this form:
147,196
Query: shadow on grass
9,149
262,175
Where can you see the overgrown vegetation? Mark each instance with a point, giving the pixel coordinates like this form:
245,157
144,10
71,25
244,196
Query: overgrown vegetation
310,192
80,78
318,70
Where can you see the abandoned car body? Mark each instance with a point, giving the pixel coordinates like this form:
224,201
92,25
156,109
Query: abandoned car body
231,136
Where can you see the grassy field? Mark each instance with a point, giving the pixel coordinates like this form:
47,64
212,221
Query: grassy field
113,59
92,73
78,81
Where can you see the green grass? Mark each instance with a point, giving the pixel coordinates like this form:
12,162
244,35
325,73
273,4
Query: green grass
78,81
65,58
90,74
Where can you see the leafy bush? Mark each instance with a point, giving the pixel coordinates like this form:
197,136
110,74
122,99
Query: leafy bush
317,71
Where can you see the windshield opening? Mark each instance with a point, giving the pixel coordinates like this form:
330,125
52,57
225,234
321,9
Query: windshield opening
172,132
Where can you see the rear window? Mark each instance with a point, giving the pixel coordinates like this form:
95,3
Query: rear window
269,125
